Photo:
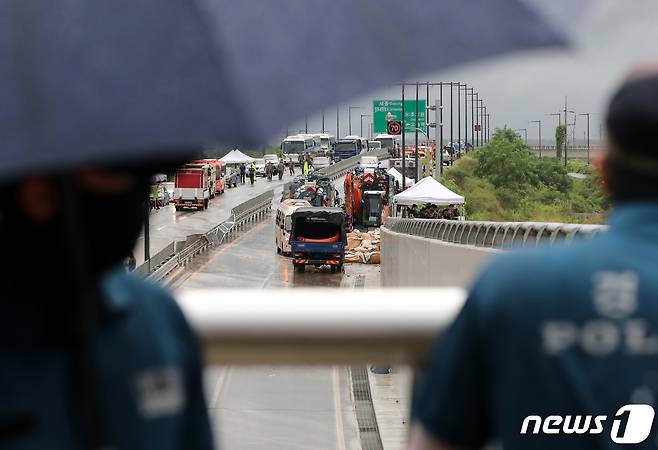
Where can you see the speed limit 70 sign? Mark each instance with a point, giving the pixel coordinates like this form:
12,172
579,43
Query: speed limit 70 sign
394,127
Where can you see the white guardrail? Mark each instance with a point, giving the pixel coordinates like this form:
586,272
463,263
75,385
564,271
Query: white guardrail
319,326
436,253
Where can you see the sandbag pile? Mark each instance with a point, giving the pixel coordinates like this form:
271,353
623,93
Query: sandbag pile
363,247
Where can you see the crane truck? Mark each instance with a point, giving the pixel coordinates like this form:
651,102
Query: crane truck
367,196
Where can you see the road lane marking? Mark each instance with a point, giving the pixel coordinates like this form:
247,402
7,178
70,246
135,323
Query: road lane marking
340,429
161,228
221,379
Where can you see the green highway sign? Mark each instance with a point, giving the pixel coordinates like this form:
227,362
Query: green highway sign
383,111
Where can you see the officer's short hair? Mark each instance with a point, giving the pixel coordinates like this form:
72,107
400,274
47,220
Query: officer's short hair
632,124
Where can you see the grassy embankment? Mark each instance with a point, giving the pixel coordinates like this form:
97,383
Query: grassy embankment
505,182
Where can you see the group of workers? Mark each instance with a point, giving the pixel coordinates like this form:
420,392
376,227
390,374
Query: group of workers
432,211
545,336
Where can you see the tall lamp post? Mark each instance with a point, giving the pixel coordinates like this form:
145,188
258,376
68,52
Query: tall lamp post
472,95
588,147
337,121
539,123
349,116
488,116
362,116
525,131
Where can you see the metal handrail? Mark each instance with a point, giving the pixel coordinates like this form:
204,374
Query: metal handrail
282,326
500,235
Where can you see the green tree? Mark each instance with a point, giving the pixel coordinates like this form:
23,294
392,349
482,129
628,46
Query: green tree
560,140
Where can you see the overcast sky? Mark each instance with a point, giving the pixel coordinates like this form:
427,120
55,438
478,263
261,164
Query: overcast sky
529,86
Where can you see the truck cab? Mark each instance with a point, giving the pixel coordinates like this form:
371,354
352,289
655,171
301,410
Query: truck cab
191,188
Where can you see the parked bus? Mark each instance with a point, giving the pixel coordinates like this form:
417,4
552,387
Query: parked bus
389,142
300,145
284,223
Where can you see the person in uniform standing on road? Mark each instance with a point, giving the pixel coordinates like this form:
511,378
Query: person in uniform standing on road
280,169
562,332
91,356
305,168
243,172
268,171
291,166
252,172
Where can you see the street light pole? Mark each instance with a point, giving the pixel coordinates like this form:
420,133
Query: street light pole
416,135
525,130
306,124
350,116
337,121
539,123
477,119
481,119
486,127
362,116
459,117
452,115
404,159
441,130
588,147
322,120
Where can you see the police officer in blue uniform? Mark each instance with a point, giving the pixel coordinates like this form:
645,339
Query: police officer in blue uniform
558,348
132,380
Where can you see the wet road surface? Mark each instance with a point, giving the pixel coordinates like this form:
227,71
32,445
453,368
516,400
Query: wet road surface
275,408
167,224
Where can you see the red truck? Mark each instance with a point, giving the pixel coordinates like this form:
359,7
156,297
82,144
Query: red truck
191,188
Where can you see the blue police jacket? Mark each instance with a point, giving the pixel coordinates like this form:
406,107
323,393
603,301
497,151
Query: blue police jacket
150,375
555,348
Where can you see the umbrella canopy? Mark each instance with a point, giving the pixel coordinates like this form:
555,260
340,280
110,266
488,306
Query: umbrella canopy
428,190
87,82
398,176
236,157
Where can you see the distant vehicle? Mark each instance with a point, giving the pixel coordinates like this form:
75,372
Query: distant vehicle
217,185
369,162
260,167
327,142
362,142
367,197
318,238
191,188
220,182
347,148
284,223
300,144
231,176
389,142
320,162
287,157
374,145
274,159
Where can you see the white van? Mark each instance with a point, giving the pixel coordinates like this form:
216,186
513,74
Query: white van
284,223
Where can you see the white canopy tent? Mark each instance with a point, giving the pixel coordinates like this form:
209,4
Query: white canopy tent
236,157
428,190
398,176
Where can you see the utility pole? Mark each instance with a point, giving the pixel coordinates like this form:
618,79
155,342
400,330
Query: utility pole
322,120
539,123
465,86
404,159
337,121
566,131
306,124
481,120
485,129
588,142
525,130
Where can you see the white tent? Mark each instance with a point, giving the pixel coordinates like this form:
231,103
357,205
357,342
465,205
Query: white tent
428,190
236,157
398,176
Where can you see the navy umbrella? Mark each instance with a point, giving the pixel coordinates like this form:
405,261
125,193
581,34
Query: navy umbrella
95,81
